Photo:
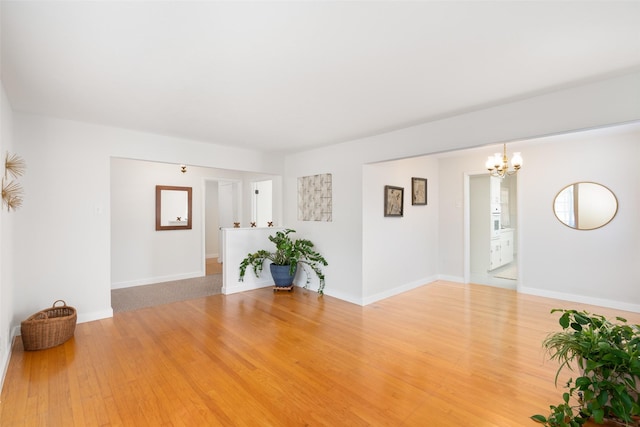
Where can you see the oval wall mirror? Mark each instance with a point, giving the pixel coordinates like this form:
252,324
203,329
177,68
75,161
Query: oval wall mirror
585,205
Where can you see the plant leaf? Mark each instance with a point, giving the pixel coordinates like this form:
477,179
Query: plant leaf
564,320
539,419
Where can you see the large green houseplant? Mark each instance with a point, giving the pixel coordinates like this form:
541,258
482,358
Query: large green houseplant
289,252
607,355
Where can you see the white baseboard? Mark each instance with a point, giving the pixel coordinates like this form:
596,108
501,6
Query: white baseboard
6,358
207,256
5,366
343,297
153,280
456,279
398,290
95,315
246,286
602,302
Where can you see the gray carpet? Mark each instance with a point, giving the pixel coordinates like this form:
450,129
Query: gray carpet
136,297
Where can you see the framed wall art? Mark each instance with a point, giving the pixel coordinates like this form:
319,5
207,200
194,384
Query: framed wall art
418,191
393,200
314,198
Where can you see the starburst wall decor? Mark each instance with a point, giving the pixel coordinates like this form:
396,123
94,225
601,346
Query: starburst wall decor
15,167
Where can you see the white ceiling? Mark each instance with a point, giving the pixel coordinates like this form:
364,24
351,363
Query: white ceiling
293,75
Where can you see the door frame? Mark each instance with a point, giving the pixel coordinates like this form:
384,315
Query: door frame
238,207
467,228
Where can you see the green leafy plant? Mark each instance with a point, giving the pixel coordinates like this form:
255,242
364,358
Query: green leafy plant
289,251
563,415
607,355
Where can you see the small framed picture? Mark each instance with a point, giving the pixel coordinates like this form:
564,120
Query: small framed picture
418,191
393,200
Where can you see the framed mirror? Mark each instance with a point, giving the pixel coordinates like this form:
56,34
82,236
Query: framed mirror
585,205
173,208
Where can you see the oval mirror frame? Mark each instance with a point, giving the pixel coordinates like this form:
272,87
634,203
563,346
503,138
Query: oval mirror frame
585,205
172,218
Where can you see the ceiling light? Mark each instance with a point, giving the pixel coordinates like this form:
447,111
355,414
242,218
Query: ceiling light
498,164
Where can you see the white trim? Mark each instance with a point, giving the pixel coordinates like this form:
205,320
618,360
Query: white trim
95,315
343,297
398,290
635,308
7,358
456,279
249,286
5,366
154,280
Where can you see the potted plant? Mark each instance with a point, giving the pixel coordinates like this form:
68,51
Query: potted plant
607,355
289,253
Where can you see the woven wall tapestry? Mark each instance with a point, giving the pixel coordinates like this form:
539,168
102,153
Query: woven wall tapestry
314,198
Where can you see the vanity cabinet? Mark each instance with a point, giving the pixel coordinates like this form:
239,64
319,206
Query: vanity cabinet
501,249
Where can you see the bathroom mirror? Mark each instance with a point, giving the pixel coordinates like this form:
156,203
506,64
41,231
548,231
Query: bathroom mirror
585,205
173,208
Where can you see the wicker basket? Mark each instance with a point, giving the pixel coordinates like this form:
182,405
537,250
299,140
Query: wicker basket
49,328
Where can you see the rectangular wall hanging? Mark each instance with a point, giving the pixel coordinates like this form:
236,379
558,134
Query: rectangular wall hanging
393,200
314,198
418,191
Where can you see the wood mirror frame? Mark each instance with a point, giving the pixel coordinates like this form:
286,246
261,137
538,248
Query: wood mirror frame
585,205
164,222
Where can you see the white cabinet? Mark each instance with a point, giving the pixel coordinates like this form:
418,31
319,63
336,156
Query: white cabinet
494,254
501,249
494,194
506,246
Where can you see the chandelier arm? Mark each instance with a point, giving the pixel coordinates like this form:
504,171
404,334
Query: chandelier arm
501,170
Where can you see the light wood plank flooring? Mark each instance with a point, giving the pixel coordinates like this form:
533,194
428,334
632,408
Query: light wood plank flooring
445,354
212,266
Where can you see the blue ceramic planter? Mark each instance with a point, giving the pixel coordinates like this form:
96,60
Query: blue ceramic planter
281,276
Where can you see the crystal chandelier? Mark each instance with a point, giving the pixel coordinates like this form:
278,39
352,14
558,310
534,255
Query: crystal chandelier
498,164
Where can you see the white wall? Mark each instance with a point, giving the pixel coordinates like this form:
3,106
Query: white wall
479,223
7,282
398,253
237,243
339,241
64,227
615,100
212,220
599,266
262,203
141,255
603,264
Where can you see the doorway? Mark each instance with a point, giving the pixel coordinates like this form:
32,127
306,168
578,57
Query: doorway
220,210
262,203
491,227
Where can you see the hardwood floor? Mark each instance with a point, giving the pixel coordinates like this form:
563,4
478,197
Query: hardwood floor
212,266
445,354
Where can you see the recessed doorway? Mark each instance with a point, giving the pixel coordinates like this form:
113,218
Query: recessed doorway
492,231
